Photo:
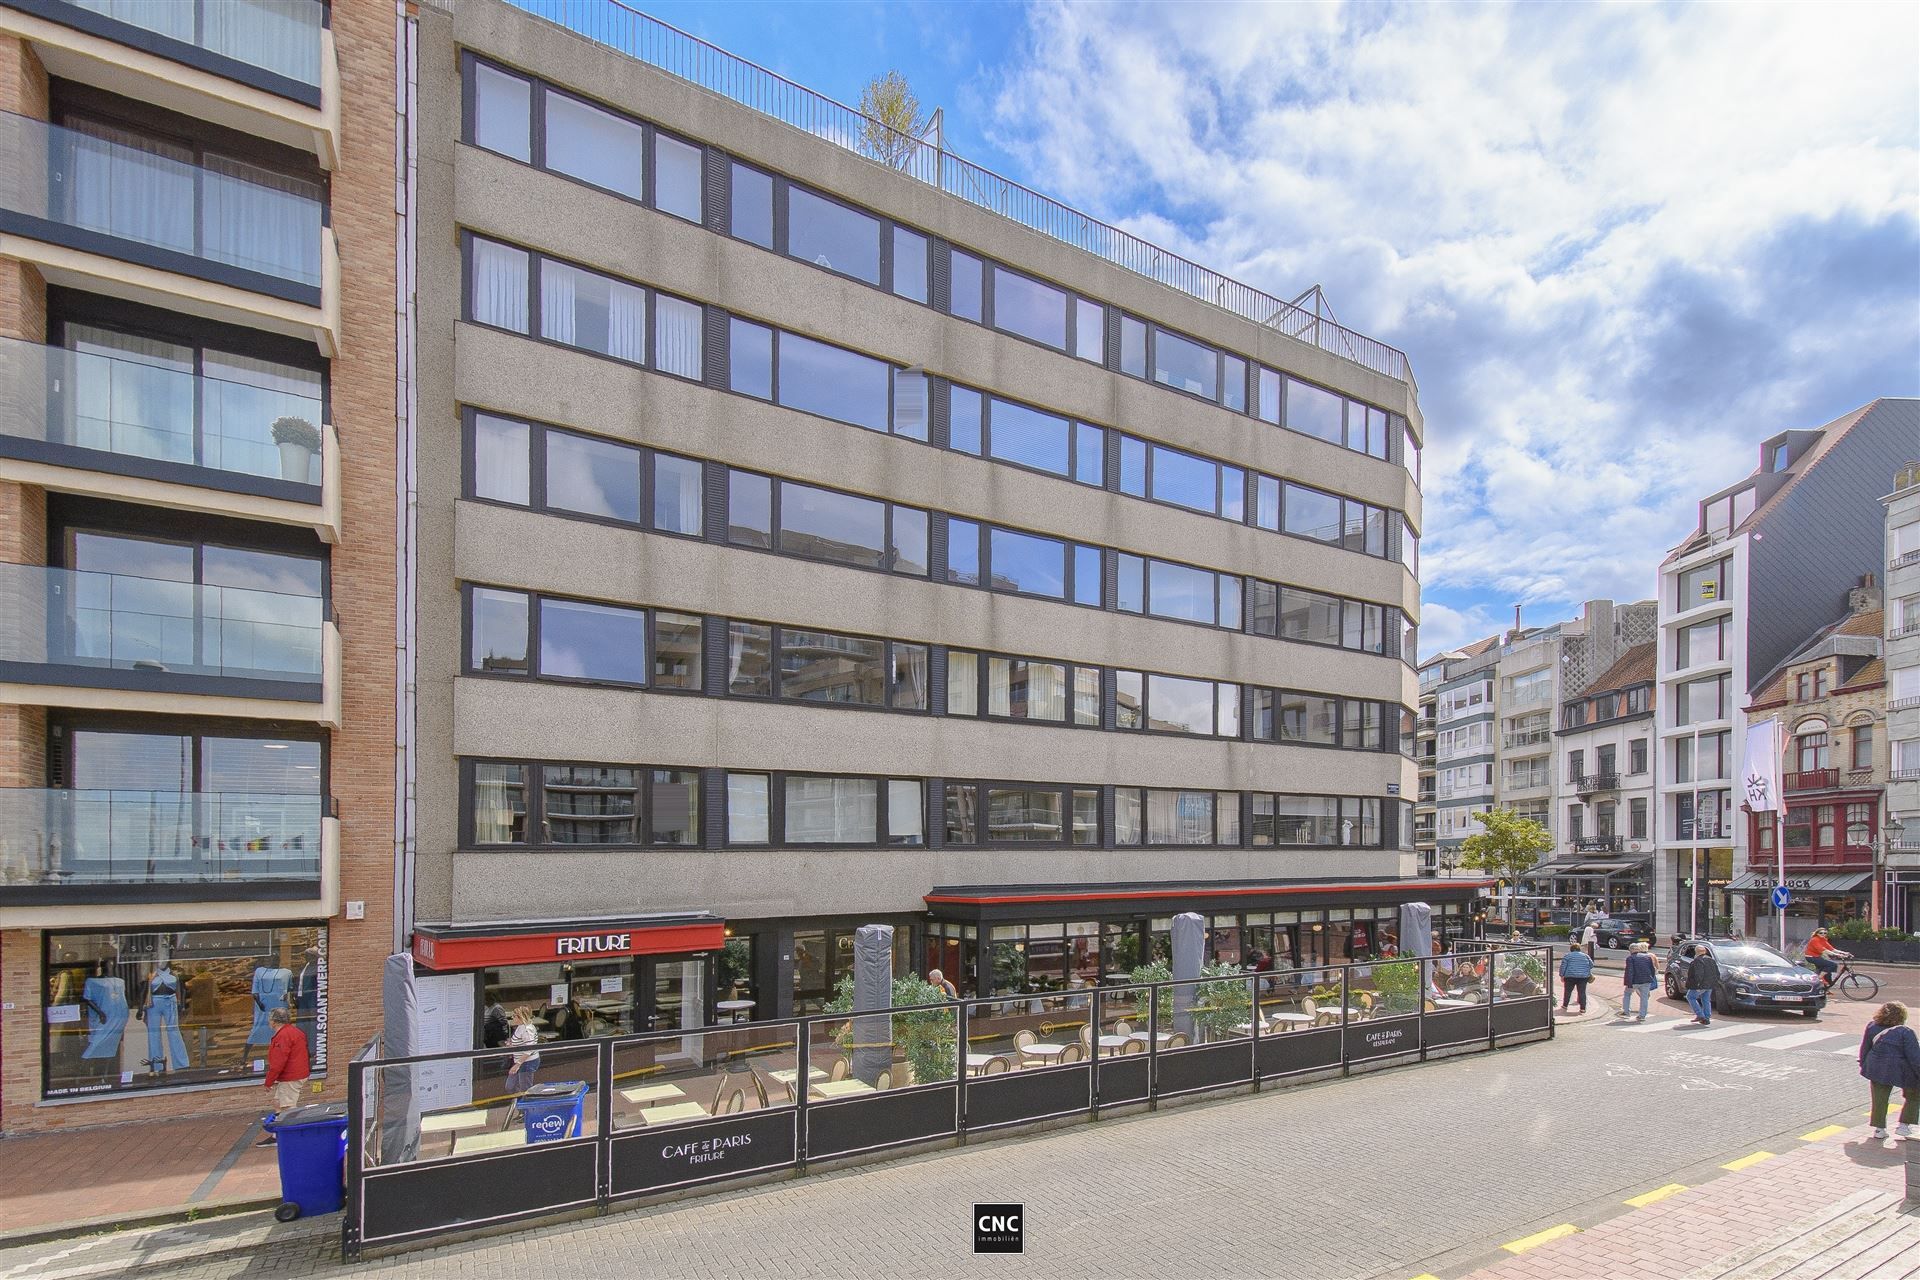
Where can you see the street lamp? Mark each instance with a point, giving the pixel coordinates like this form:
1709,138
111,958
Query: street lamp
1890,831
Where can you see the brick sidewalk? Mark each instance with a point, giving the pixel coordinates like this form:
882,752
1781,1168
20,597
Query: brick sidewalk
83,1176
1833,1205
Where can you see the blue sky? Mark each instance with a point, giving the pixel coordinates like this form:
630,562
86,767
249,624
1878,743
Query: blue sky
1621,244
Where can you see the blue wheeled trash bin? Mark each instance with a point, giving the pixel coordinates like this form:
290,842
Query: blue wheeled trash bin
554,1111
311,1142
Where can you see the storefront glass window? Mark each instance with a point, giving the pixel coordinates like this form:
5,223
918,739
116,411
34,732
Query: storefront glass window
129,1011
568,1001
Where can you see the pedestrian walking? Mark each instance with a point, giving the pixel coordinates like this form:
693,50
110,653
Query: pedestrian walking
1703,975
521,1067
1889,1057
288,1064
1576,970
1590,939
935,978
1640,977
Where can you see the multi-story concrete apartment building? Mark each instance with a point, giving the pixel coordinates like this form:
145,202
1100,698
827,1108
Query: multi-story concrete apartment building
1466,748
1426,762
1602,812
1830,697
197,553
1771,559
1900,888
804,545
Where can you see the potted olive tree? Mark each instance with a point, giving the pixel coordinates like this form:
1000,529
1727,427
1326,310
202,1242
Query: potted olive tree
299,440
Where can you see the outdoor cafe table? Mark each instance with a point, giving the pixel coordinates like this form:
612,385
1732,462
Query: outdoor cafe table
468,1143
1043,1050
673,1111
1161,1036
453,1121
787,1075
842,1088
977,1062
1114,1042
1446,1002
1291,1019
652,1093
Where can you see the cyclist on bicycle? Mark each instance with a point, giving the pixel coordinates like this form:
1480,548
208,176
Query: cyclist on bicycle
1822,954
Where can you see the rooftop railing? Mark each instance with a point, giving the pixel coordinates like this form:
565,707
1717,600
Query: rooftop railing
646,38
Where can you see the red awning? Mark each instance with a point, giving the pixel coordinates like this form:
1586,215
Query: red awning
449,947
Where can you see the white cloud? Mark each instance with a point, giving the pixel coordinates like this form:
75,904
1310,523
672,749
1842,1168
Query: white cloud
1620,243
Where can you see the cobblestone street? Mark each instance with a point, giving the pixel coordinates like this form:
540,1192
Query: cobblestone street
1429,1170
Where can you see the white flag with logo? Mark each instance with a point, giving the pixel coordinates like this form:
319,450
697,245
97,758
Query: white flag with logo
1760,777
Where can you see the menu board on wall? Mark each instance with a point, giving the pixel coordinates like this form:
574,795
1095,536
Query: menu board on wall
446,1026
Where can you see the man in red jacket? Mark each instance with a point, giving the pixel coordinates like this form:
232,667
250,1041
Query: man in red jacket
287,1065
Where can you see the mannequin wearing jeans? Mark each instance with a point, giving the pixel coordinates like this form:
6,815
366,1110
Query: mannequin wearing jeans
105,1000
269,993
166,1051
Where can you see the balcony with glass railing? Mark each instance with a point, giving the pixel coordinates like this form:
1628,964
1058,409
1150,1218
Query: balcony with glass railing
154,430
109,207
268,67
158,640
63,847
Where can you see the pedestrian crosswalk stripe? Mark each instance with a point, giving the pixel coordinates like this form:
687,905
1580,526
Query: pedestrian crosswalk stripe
1825,1131
1539,1238
1646,1198
1796,1040
1720,1033
1747,1162
1644,1027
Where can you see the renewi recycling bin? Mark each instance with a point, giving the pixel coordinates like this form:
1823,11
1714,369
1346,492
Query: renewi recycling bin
311,1142
554,1111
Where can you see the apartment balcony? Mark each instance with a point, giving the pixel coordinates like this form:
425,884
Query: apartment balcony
1588,783
1524,785
114,642
1858,859
80,422
264,67
1904,559
1596,844
110,218
1426,726
1811,780
1684,830
69,857
1542,738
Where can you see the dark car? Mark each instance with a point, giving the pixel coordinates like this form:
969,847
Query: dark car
1752,976
1622,931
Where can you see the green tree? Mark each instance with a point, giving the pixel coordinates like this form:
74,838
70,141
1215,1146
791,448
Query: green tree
894,121
926,1038
1508,848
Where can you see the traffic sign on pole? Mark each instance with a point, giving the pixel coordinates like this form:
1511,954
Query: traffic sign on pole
1780,895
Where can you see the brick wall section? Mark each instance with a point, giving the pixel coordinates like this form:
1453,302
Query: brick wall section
364,576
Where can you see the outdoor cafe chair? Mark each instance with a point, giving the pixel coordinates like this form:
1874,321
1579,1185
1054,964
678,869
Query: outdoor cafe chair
1072,1053
838,1070
1122,1028
1310,1008
1023,1037
884,1081
1133,1046
997,1066
1178,1040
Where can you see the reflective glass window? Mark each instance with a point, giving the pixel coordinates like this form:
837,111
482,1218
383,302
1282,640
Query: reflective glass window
1089,454
590,804
1133,346
1308,615
1180,817
1025,815
747,795
1027,563
824,525
966,285
1315,412
834,383
816,666
1086,817
593,145
909,264
1269,396
1186,480
593,477
1088,584
906,811
1180,591
580,641
962,799
676,650
1129,698
499,803
749,509
1233,493
1028,437
678,337
1227,717
750,358
500,459
1186,364
499,631
675,818
1180,705
964,409
1029,308
677,494
749,659
831,810
909,676
1133,466
1309,718
752,202
831,235
497,292
1264,614
502,112
1089,330
1130,596
910,403
1312,514
910,541
593,312
676,178
1086,695
1233,385
963,551
1266,502
1129,816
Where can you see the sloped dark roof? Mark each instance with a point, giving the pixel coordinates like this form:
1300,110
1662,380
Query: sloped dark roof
1637,665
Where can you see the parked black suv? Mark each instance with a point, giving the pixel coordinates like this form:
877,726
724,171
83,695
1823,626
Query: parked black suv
1752,976
1622,931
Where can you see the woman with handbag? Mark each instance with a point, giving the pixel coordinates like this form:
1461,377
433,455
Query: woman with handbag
523,1036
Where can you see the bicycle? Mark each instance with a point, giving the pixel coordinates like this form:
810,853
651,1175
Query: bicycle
1851,983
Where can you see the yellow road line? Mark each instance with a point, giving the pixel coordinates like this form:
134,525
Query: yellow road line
1539,1238
1747,1162
1826,1132
1646,1198
1426,1275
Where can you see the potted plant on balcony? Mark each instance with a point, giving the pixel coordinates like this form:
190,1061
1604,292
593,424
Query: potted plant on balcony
299,440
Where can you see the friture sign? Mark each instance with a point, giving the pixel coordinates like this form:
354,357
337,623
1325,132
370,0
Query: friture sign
455,949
